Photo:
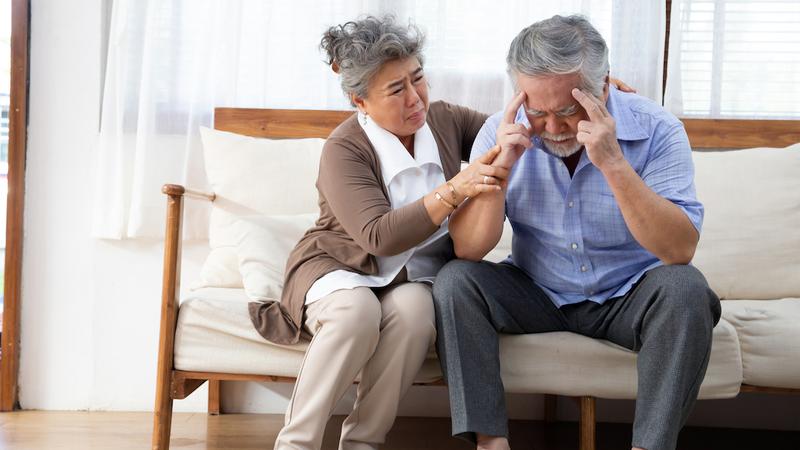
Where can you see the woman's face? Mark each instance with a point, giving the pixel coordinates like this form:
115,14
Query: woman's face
397,98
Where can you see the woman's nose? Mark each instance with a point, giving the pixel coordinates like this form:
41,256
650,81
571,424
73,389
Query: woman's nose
413,96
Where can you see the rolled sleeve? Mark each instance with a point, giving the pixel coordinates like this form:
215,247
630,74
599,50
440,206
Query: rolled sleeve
486,138
670,173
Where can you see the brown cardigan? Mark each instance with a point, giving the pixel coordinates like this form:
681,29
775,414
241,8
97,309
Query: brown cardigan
356,221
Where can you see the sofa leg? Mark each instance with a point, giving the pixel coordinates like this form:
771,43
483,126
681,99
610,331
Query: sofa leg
162,419
213,397
587,424
550,408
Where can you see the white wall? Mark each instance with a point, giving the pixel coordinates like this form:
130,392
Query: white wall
90,308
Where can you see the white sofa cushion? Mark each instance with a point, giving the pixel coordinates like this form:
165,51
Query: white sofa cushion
263,244
571,364
750,244
215,335
769,334
253,176
220,269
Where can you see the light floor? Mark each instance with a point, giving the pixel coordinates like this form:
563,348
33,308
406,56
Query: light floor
35,430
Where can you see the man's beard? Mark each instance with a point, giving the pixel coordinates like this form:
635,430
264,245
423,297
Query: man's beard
554,144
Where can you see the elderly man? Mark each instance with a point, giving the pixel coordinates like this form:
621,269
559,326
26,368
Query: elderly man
602,202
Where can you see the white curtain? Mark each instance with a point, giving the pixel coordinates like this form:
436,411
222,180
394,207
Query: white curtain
734,59
170,62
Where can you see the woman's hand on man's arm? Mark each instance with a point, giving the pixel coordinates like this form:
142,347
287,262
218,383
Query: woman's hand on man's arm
477,178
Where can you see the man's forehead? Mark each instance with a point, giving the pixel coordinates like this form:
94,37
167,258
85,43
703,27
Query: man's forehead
551,104
549,93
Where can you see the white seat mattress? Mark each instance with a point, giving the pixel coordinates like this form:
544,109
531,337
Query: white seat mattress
769,337
214,334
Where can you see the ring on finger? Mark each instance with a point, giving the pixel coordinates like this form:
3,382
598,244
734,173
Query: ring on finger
486,179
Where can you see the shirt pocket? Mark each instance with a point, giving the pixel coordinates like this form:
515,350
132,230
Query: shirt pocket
604,225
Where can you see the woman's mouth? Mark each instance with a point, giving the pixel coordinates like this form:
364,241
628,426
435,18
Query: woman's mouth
417,116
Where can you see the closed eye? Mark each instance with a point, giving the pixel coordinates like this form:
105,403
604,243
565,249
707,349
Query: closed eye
534,113
568,111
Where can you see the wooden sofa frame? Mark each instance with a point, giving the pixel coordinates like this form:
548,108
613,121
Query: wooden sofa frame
174,384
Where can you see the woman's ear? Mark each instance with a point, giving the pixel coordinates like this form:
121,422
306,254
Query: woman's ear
359,102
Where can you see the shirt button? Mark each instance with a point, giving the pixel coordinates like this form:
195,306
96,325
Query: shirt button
570,204
591,292
574,246
583,268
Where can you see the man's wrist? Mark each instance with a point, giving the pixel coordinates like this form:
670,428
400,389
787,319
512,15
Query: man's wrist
617,167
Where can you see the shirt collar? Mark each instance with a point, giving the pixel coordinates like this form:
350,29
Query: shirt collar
393,156
628,128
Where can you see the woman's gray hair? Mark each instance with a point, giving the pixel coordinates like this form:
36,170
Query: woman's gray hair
358,49
559,46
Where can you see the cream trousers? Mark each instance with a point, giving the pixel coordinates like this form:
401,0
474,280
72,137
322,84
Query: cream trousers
383,339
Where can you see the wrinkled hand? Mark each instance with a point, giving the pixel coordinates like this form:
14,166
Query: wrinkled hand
621,85
481,176
513,138
599,133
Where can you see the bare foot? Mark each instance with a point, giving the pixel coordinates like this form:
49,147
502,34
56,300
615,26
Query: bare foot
492,442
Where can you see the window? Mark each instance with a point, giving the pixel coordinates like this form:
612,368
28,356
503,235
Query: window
734,59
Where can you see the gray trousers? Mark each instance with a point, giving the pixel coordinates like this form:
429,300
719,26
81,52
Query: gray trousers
667,317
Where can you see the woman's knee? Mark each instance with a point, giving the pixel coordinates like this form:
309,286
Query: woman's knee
408,308
356,312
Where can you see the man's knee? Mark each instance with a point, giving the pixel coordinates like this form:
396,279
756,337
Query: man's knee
454,282
686,291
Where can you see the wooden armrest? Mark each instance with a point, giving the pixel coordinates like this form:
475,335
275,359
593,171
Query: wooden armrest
176,190
170,291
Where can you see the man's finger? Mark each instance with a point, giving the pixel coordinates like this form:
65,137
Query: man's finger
518,128
594,108
585,126
510,114
519,139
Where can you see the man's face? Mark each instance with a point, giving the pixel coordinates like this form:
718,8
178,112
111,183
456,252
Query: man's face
552,111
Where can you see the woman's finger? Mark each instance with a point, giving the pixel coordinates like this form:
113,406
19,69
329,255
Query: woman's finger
621,85
489,156
487,187
494,171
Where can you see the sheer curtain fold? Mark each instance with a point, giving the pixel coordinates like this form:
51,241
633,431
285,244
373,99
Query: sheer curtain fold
171,62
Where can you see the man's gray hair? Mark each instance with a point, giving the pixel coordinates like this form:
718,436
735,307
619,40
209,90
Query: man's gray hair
558,46
358,49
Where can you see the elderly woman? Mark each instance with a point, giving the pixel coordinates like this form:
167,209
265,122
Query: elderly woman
360,280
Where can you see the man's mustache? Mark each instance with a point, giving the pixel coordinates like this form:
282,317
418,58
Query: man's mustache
556,137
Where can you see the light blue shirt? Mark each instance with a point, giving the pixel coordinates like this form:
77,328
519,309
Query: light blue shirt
569,234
